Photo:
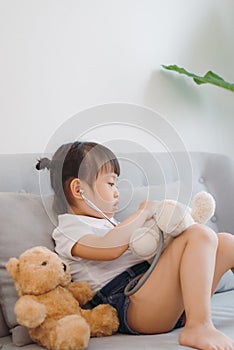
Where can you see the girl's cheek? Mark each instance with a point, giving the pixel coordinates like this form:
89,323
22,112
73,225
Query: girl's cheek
101,195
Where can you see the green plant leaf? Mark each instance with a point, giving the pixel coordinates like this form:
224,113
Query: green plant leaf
210,77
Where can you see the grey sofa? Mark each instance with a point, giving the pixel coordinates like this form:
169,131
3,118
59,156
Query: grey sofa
27,219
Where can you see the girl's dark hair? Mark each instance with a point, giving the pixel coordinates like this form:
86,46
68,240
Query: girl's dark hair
83,160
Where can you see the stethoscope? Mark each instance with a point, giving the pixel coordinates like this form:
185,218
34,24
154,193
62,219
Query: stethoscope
93,206
129,290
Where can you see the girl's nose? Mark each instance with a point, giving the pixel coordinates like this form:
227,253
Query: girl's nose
116,194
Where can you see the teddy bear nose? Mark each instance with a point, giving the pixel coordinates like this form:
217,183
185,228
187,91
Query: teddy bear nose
64,267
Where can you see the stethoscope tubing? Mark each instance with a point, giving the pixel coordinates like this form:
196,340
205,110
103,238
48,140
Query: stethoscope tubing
129,290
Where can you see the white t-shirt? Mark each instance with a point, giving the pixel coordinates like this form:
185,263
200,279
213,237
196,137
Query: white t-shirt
98,273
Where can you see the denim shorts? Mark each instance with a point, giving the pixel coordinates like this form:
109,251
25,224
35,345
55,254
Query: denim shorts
113,294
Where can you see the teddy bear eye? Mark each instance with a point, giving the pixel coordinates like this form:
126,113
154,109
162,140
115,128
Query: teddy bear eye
44,263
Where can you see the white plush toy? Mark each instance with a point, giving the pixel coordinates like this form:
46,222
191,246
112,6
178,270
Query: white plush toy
172,218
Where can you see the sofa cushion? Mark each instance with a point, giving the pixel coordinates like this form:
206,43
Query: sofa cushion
226,283
20,336
26,220
4,330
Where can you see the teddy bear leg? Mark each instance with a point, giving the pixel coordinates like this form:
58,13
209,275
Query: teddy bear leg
103,320
72,332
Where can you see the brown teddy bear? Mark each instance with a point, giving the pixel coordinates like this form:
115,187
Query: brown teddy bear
49,304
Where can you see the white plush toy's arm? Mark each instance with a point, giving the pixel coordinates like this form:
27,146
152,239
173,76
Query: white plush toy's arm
172,218
29,312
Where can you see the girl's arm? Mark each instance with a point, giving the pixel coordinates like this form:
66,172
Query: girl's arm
116,241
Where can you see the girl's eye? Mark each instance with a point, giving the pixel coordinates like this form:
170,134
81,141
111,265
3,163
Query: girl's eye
111,184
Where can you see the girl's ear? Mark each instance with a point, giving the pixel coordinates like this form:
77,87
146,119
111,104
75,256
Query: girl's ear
75,188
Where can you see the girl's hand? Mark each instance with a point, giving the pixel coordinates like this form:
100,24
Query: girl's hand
149,207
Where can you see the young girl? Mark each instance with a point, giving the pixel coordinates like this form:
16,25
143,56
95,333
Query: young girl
185,277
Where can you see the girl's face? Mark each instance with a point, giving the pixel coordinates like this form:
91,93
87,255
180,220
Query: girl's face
104,193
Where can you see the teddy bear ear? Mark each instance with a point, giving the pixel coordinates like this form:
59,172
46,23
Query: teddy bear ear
12,267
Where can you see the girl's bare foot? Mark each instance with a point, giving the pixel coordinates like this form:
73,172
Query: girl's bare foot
205,337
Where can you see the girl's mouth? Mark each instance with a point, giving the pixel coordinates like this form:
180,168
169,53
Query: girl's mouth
116,205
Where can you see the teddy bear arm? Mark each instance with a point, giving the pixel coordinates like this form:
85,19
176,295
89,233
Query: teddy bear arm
81,291
29,312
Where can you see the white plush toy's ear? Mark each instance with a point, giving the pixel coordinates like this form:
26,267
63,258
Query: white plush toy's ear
203,207
12,267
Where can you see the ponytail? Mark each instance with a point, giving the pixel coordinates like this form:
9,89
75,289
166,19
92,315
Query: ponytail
43,163
60,202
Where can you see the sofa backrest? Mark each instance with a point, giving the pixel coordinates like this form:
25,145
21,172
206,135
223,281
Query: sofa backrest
178,176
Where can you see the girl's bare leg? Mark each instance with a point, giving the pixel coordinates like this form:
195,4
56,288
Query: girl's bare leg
199,331
184,278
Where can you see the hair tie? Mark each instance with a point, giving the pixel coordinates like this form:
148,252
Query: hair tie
43,163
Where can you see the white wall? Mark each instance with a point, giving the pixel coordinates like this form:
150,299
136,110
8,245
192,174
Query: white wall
61,57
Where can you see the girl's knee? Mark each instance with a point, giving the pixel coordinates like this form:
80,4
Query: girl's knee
202,233
225,238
